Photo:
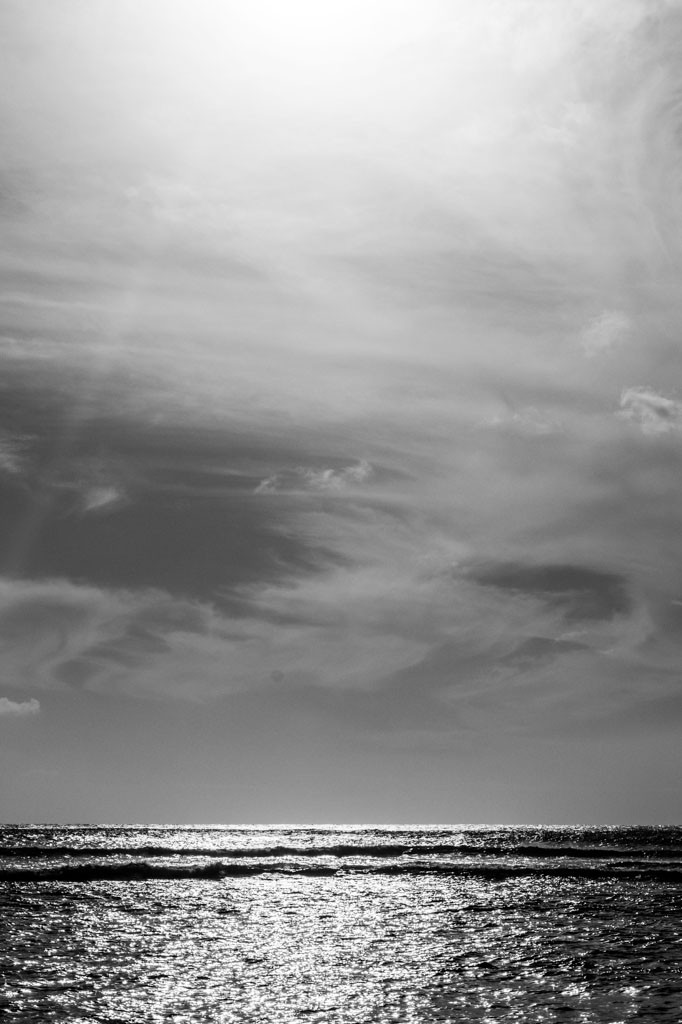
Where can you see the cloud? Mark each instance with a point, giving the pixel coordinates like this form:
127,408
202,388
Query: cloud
54,633
581,594
165,198
378,607
529,420
605,331
13,459
450,648
20,708
47,627
653,413
316,479
103,497
541,649
336,480
508,125
482,183
96,484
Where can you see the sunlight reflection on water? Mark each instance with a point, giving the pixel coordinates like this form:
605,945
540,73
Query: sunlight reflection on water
341,949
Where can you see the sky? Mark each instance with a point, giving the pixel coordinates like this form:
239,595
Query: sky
341,411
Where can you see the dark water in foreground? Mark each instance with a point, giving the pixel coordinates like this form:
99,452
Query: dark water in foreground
365,924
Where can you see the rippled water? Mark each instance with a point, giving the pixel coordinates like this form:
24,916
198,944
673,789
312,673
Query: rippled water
361,925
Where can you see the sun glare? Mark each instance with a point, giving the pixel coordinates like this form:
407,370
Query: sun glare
293,48
315,31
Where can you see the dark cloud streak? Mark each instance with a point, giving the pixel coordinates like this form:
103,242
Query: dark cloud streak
581,594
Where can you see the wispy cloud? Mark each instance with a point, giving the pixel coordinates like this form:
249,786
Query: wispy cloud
317,479
605,331
97,499
653,413
527,420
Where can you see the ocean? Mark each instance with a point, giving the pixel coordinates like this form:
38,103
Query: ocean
161,923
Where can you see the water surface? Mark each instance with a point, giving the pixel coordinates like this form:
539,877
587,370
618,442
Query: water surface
160,923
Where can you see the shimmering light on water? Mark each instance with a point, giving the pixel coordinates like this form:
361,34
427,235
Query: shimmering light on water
349,948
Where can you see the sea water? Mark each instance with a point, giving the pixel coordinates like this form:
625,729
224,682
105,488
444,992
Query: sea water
358,924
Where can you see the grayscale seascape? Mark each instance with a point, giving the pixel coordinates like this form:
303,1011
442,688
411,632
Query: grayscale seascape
359,925
341,481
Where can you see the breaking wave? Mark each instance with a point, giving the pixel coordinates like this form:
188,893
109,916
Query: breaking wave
129,853
378,850
142,870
